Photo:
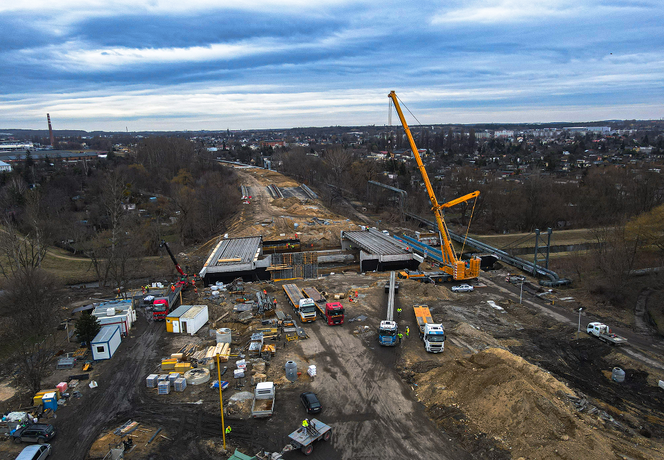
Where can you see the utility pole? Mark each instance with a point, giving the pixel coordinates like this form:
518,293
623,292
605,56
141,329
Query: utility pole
221,404
521,293
579,329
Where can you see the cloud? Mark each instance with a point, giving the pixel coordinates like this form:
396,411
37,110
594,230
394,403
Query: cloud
269,64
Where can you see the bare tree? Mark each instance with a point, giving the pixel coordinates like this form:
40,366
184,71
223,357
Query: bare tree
24,252
31,312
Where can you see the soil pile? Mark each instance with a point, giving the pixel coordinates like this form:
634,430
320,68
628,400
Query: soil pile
523,408
427,291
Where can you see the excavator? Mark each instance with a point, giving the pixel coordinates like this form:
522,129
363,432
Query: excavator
452,265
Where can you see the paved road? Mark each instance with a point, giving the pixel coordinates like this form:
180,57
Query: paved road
369,407
639,346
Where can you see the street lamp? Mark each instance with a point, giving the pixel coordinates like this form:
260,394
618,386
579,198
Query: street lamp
579,330
521,293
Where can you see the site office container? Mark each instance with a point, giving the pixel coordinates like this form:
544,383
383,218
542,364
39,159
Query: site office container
173,319
106,342
194,319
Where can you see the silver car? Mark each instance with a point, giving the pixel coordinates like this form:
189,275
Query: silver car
35,452
462,288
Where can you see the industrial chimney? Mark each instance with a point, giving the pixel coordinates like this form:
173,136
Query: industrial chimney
50,130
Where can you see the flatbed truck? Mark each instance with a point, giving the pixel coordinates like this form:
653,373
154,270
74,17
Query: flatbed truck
603,332
388,329
332,312
304,307
160,301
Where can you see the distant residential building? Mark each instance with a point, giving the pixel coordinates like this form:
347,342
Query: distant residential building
5,167
16,146
588,129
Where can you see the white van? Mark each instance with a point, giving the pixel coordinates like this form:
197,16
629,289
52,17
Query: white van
35,452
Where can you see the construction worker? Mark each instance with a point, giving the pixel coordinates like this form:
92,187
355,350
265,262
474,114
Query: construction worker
407,331
400,335
399,312
228,430
305,425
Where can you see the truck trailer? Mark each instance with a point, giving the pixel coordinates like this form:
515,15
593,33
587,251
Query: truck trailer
304,307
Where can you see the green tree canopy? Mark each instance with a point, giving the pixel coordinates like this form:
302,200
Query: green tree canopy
87,327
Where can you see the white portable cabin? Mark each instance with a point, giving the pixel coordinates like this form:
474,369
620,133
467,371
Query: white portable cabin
194,319
116,313
106,342
173,323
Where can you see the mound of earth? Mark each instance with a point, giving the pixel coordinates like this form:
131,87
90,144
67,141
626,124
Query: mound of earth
524,409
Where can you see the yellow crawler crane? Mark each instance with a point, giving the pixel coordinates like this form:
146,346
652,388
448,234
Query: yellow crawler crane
458,269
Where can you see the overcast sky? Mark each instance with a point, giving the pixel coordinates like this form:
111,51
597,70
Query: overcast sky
215,64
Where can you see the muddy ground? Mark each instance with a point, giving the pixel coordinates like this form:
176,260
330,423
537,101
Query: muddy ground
516,381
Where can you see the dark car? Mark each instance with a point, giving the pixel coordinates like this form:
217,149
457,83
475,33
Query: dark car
37,432
311,402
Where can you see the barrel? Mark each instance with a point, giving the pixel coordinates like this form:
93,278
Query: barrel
223,335
291,370
618,375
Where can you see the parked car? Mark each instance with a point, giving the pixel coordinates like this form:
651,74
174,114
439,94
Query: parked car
462,288
37,432
311,402
35,452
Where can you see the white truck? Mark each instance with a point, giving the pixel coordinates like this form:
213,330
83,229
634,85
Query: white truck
603,332
264,395
434,338
433,334
304,307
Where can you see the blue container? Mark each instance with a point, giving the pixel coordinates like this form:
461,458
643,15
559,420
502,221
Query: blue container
50,401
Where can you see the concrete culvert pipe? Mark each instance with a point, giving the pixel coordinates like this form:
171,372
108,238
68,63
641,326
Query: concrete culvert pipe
197,376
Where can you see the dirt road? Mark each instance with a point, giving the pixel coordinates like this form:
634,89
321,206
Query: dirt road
370,408
81,421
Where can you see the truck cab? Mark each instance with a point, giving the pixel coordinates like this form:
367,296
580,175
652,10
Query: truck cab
307,310
434,338
387,333
334,313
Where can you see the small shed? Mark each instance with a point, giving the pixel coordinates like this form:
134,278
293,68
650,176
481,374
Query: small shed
106,342
194,319
173,318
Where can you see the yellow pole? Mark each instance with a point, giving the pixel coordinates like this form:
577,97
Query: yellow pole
180,297
221,403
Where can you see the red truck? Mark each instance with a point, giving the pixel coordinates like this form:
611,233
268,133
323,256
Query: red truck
159,300
332,312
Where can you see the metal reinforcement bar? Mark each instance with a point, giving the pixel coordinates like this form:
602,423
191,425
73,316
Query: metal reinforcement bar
529,267
390,297
307,191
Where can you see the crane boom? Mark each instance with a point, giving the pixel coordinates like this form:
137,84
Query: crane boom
452,265
164,244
